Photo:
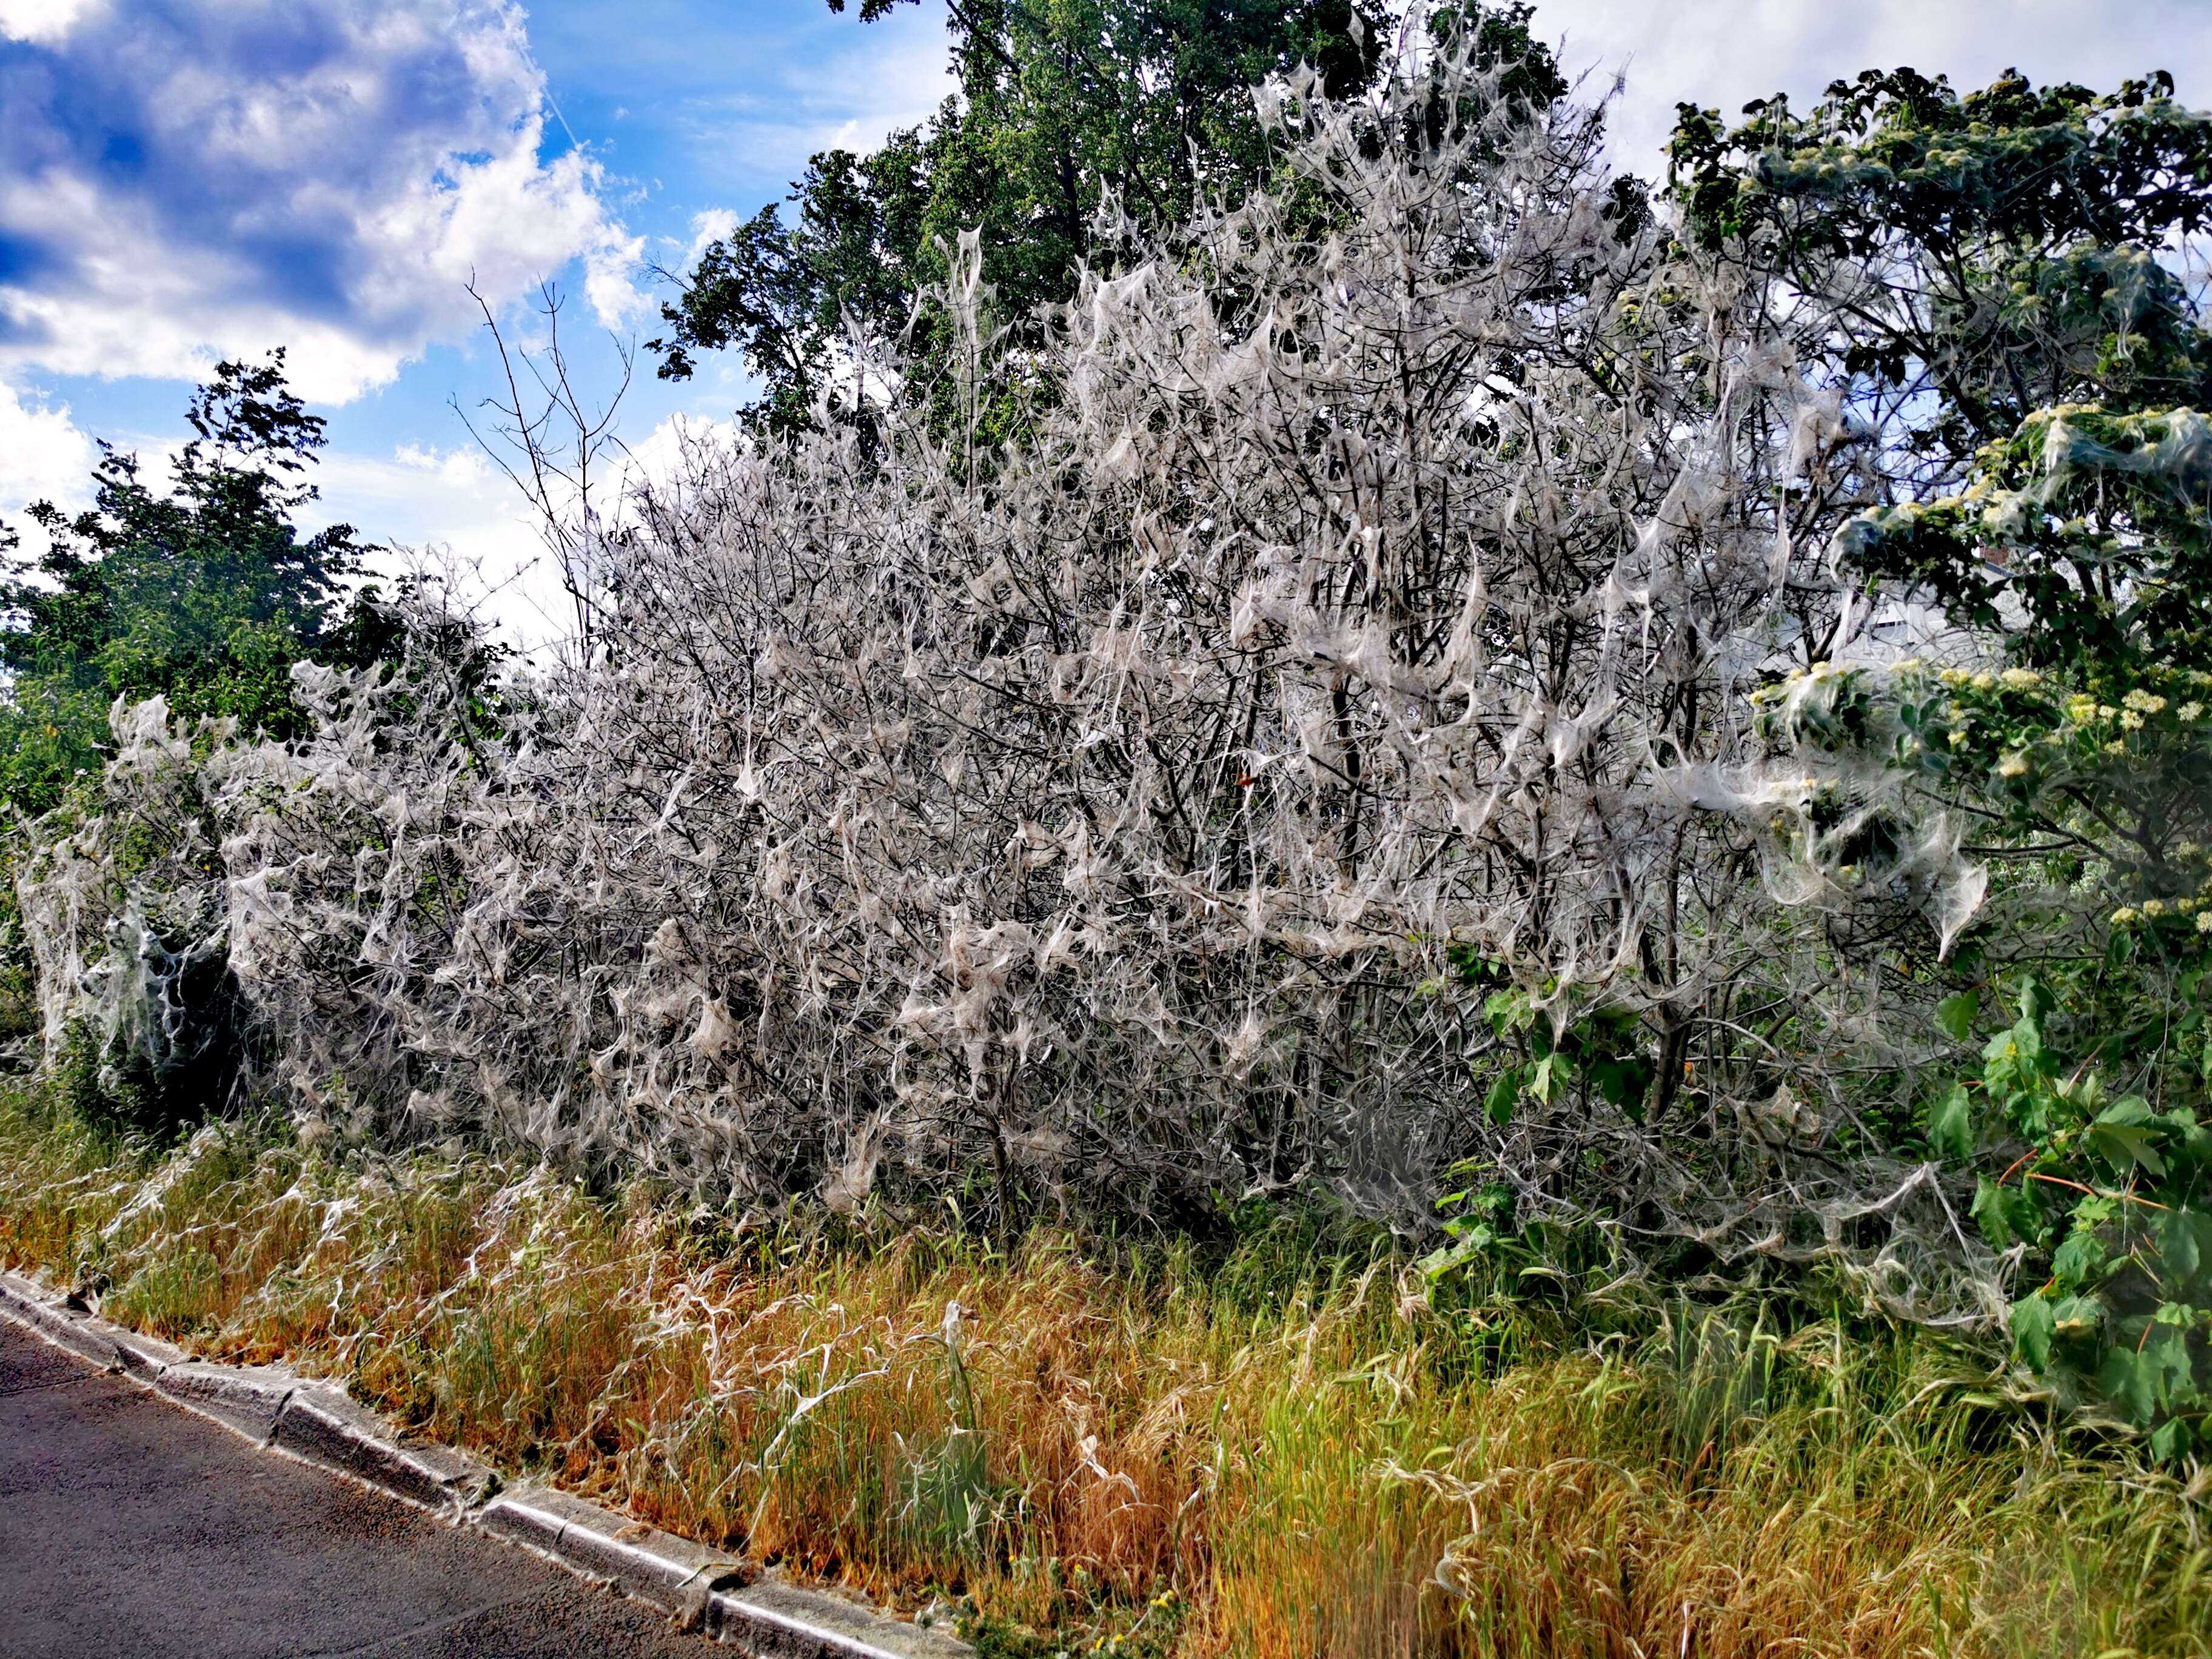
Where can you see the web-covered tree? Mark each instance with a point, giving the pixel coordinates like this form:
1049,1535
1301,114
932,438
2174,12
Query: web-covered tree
206,595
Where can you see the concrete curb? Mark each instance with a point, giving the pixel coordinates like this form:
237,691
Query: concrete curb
701,1588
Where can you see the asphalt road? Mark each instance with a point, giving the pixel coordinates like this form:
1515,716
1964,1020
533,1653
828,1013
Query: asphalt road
131,1529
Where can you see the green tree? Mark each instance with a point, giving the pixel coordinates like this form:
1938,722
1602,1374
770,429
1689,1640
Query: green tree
1985,281
1982,278
1062,103
205,595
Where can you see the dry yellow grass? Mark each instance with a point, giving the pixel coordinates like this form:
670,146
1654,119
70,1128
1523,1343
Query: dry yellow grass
1287,1455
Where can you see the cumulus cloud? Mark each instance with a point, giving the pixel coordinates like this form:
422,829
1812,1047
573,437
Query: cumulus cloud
38,19
43,456
212,177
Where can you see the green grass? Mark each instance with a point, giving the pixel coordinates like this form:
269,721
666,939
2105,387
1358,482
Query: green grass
1286,1451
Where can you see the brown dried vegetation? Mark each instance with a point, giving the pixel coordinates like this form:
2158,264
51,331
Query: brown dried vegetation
1286,1452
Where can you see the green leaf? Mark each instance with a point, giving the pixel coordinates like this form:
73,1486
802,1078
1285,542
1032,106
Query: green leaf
1548,1074
1623,1082
1951,1125
2005,1214
1503,1091
2119,1135
2075,1261
1955,1014
2075,1316
1437,1263
1470,1243
2184,1244
2171,1441
2032,1328
2131,1381
1507,1010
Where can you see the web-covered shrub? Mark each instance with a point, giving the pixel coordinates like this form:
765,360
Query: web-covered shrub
1142,813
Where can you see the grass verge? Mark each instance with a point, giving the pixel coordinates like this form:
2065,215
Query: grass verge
1285,1451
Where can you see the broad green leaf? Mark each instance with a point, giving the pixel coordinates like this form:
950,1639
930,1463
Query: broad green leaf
2171,1441
2077,1316
2032,1328
2075,1261
1955,1014
1951,1125
1507,1010
2123,1146
1504,1090
2005,1214
2184,1244
2131,1381
2133,1109
1437,1263
1620,1081
1548,1074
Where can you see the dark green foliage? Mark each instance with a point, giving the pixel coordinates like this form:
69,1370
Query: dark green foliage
1987,274
1066,107
1063,104
2110,1198
2083,537
1985,284
206,596
2084,1129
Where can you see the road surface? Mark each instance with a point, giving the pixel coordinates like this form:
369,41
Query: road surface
131,1529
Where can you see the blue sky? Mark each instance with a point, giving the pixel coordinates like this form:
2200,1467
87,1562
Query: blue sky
180,178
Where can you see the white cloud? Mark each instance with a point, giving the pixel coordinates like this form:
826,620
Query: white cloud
423,500
213,177
454,500
714,225
43,456
1725,52
40,20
